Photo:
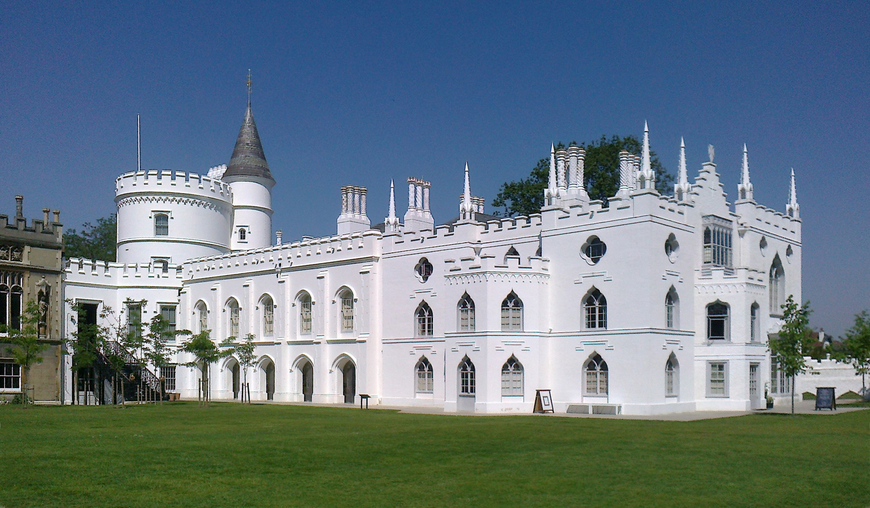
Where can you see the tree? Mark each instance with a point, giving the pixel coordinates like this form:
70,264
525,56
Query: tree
793,339
856,347
245,354
82,344
600,176
206,353
156,350
96,241
26,347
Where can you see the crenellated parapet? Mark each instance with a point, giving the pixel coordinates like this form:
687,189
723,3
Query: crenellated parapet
170,181
79,270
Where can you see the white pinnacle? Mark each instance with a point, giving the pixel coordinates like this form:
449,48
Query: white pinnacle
551,184
392,217
793,209
645,161
684,176
466,197
745,177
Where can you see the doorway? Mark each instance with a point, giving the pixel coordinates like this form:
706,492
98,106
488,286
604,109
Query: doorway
348,373
307,382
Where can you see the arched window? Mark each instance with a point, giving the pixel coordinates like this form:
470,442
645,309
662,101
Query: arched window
754,331
161,224
672,309
268,307
466,377
777,286
304,313
672,248
672,376
596,375
346,298
512,312
4,305
465,309
243,235
425,379
233,311
593,250
595,307
201,316
423,318
15,308
717,321
512,377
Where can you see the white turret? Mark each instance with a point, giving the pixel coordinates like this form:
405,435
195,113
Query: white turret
744,188
793,209
249,176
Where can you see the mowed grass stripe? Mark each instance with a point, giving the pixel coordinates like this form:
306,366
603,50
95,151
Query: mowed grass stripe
265,455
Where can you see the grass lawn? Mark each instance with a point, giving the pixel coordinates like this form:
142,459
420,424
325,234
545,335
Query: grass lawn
264,455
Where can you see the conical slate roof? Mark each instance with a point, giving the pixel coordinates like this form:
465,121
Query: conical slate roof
248,158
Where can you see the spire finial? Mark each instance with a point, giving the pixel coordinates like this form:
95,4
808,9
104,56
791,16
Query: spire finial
391,218
744,188
646,163
682,187
793,209
249,87
466,196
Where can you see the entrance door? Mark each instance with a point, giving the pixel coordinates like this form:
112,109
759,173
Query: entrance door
270,381
755,398
307,382
236,382
349,381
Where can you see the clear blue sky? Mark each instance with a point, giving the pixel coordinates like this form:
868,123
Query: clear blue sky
362,92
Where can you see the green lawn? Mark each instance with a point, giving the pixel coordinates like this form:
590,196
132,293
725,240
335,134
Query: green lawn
232,455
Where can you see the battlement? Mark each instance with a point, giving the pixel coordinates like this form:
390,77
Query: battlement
83,270
45,232
154,180
307,251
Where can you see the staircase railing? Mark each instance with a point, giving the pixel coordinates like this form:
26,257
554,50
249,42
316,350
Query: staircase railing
148,378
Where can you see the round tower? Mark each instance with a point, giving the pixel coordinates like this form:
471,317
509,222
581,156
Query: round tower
170,216
251,182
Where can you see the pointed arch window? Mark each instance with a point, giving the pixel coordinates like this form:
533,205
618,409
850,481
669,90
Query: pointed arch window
512,313
425,379
595,308
4,305
718,321
465,310
202,316
672,309
754,331
233,312
512,378
777,286
346,298
596,375
466,377
424,321
305,313
672,377
268,306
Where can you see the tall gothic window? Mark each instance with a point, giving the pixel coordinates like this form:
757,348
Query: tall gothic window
717,321
425,379
202,316
512,313
304,313
512,377
268,306
134,320
596,375
465,309
671,376
466,377
754,332
346,298
672,309
423,318
777,286
233,317
595,307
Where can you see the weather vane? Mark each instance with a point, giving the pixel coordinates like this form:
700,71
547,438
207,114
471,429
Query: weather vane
249,86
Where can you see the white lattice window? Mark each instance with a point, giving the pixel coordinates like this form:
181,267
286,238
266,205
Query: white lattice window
346,311
10,375
305,314
717,241
512,313
717,381
671,377
777,287
424,320
268,315
161,224
596,376
425,378
595,307
233,311
466,377
512,378
167,372
167,312
465,309
202,316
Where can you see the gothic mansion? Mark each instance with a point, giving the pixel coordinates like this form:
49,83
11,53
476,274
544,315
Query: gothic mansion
645,304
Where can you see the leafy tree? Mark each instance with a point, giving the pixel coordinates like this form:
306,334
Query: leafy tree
793,339
156,350
206,353
600,176
245,354
26,347
856,347
118,330
95,241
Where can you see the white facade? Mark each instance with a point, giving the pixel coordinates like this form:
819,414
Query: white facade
646,304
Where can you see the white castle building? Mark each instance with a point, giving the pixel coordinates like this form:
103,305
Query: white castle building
644,304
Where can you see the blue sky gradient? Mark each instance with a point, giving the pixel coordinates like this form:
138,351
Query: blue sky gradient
359,93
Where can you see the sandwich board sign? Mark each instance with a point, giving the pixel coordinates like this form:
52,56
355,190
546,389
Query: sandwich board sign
543,402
